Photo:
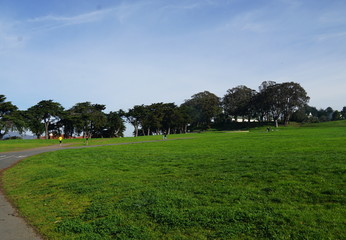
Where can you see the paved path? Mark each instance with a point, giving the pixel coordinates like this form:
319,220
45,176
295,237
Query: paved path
12,226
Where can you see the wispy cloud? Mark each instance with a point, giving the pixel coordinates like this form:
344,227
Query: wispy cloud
192,5
54,21
250,22
122,13
127,10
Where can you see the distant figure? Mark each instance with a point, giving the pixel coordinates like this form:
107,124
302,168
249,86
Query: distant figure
164,135
268,129
60,140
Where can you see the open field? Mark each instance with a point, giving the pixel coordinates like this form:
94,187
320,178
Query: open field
22,144
285,184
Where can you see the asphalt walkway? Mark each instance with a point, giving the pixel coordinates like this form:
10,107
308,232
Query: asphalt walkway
12,226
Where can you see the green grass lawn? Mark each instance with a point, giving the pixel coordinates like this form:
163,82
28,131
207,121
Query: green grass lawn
285,184
23,144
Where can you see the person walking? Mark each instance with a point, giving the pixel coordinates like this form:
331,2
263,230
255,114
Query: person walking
60,140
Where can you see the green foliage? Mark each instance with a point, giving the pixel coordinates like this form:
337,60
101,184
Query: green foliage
43,115
10,117
88,118
203,107
157,118
283,184
237,101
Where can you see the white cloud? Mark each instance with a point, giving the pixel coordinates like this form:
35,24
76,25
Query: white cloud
53,21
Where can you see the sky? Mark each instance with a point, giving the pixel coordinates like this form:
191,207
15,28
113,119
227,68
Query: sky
123,53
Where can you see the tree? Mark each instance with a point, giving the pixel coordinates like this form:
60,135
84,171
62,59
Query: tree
135,117
46,112
10,118
343,113
329,112
88,119
203,107
67,123
151,121
238,102
336,116
262,100
114,125
33,123
283,99
182,119
305,114
325,115
171,117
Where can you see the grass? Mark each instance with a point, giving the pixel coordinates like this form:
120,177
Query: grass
23,144
285,184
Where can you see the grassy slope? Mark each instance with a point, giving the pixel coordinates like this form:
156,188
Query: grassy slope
22,144
286,184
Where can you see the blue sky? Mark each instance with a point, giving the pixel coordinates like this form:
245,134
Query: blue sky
122,53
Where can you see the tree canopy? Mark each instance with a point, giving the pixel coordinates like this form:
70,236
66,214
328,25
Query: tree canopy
203,108
46,112
274,102
10,118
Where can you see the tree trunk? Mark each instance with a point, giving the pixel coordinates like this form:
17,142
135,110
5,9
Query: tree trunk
136,130
46,124
276,123
286,120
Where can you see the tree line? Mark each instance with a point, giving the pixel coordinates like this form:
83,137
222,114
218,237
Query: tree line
272,103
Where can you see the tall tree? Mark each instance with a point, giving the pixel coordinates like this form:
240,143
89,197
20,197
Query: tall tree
203,108
67,123
343,113
283,99
88,118
115,126
305,114
46,112
152,119
262,101
135,117
238,102
171,117
336,116
10,117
